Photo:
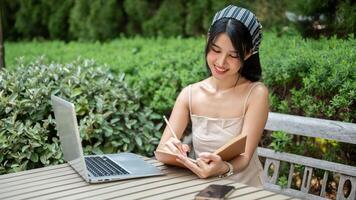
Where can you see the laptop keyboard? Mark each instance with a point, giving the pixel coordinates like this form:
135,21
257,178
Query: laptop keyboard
103,166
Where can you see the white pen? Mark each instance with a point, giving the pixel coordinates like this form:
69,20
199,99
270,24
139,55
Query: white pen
174,134
170,127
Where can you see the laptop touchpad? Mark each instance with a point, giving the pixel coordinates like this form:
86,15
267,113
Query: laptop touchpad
133,163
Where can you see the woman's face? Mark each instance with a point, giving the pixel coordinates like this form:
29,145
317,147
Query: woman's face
222,58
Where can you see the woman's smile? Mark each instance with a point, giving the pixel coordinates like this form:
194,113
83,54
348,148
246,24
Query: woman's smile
220,70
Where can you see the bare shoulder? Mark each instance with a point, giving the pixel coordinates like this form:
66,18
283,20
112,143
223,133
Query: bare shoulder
195,87
259,90
184,93
258,99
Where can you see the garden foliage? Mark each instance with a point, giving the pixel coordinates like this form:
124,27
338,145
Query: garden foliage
107,19
110,114
305,77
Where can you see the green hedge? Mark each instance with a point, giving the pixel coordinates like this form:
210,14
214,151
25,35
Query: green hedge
305,77
311,77
110,113
107,19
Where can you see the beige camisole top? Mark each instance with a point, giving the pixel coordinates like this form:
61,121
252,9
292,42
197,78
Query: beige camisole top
208,134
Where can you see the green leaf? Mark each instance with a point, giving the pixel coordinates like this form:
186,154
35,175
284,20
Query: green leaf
24,148
34,157
113,121
76,92
108,149
43,159
108,131
35,144
138,140
126,140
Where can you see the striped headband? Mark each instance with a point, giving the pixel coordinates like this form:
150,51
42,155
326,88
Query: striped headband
247,18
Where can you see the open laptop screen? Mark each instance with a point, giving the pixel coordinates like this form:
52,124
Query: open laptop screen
66,123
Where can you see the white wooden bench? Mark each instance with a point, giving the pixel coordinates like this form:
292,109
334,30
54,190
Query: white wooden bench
310,127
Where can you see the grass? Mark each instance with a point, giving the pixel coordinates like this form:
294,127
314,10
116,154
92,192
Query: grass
114,53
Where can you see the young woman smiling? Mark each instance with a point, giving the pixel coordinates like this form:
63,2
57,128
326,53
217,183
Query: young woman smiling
228,103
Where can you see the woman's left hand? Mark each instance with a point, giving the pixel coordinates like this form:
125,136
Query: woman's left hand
208,164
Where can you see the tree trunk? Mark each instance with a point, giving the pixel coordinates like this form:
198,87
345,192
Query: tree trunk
2,48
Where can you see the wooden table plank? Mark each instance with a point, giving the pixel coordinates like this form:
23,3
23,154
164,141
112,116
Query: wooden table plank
40,177
78,192
131,187
33,191
53,193
37,184
262,194
164,188
50,187
275,196
29,174
62,182
33,171
240,193
191,191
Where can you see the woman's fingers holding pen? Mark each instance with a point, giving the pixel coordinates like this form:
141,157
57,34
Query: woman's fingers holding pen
176,146
185,148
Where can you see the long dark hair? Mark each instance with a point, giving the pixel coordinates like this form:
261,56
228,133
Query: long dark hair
242,42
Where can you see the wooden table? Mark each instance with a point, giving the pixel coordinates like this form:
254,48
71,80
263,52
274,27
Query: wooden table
62,182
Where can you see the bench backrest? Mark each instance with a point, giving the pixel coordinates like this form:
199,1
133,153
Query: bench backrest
310,127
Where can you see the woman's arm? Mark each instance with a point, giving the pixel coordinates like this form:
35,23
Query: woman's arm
179,120
255,120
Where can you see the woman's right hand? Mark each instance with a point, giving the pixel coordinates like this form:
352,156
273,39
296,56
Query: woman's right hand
175,146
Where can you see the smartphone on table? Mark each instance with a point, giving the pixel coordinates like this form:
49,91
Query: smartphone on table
215,192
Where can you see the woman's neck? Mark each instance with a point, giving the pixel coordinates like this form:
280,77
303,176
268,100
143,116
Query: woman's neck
223,85
216,86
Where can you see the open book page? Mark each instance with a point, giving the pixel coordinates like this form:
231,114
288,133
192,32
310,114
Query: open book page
169,158
228,151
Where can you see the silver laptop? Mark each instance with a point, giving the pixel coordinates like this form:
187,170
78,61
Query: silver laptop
95,168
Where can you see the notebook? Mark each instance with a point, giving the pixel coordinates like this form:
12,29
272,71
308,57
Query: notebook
228,151
95,168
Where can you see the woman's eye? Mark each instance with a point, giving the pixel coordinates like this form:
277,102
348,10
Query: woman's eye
234,56
215,50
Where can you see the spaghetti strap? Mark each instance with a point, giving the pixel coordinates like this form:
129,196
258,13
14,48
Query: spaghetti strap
190,98
248,96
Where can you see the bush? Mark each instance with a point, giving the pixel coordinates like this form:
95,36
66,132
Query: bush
58,22
133,9
77,20
161,76
168,20
8,17
305,77
311,77
319,17
104,19
110,114
95,20
197,20
31,19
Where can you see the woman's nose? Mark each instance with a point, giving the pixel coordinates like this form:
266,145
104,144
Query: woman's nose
220,61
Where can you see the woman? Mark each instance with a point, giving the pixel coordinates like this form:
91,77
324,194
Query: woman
228,103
